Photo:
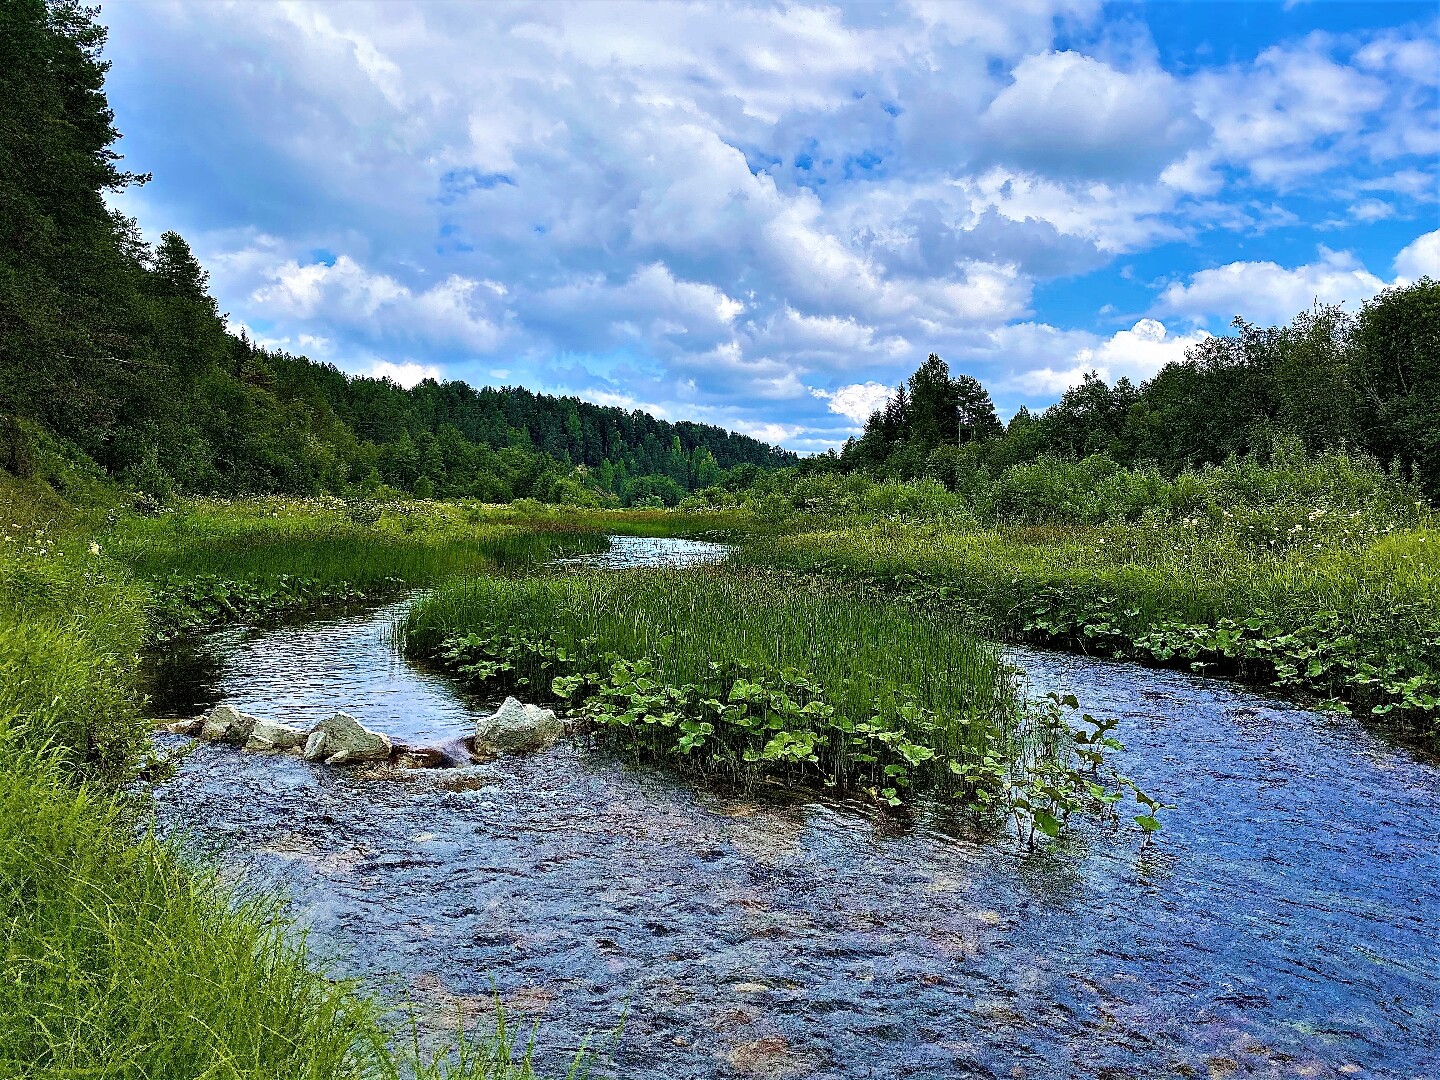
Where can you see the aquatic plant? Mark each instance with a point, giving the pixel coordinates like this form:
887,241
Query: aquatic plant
213,561
1350,619
750,675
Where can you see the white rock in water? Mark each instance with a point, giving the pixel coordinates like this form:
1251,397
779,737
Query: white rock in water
346,735
225,723
272,735
515,728
191,726
315,746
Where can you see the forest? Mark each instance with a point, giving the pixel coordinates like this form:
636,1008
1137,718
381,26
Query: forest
116,347
1329,381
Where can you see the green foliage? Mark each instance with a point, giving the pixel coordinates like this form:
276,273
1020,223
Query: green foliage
1320,578
118,350
764,675
1397,341
1326,382
214,561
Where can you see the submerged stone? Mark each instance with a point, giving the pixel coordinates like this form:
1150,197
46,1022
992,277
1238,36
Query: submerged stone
421,757
515,728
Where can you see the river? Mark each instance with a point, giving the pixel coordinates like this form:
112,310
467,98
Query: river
1286,923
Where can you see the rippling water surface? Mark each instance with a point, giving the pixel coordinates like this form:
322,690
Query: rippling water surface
1286,924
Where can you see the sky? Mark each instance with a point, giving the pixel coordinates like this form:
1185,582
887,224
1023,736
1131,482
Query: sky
764,215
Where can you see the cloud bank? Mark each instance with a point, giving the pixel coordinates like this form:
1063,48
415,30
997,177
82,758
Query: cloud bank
762,216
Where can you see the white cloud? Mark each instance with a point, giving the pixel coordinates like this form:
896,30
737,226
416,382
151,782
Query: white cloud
1070,112
769,432
407,374
1137,354
856,401
1305,107
344,293
1268,293
710,208
1420,258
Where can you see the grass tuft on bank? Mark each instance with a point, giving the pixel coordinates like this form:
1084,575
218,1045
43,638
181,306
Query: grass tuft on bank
749,674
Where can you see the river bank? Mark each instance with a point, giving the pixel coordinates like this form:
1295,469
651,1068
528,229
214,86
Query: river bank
619,837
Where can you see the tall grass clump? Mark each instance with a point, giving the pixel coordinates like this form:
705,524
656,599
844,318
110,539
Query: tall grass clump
1340,608
735,673
122,961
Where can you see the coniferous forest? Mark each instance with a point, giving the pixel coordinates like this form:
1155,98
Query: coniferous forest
116,346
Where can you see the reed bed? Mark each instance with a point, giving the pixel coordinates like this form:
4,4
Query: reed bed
359,542
1339,613
212,561
735,672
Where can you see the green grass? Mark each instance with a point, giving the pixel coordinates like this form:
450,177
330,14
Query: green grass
212,561
1348,617
735,672
121,957
123,960
752,674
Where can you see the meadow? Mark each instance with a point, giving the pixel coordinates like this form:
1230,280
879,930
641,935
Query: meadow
1316,576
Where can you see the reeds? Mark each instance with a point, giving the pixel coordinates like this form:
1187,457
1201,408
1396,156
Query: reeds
735,670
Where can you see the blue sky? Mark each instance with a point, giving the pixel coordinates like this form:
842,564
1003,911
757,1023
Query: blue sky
763,215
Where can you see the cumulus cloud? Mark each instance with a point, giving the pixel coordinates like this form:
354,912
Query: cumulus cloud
1136,354
1070,112
712,208
856,401
344,293
1420,258
1266,292
1302,108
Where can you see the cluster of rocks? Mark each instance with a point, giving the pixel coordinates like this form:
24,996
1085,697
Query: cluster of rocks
343,740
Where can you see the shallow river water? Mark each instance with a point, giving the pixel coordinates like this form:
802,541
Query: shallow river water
1286,923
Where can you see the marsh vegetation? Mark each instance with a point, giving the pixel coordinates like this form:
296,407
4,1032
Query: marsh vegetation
752,674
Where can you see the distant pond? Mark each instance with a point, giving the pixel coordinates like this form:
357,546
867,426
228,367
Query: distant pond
1285,924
